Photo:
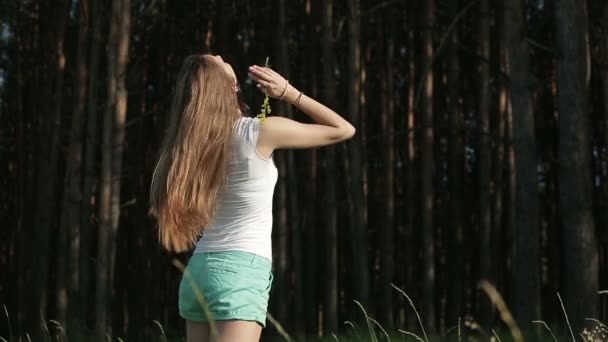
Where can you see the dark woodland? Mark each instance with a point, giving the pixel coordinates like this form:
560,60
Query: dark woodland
478,174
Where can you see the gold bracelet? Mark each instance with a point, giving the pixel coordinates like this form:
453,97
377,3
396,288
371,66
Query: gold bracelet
284,90
297,101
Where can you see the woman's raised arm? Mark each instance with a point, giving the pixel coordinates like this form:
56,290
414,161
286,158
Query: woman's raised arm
279,132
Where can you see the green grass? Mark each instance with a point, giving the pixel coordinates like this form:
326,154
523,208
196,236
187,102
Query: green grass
373,331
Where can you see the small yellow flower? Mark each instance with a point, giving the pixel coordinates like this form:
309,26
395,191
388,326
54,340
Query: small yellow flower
266,104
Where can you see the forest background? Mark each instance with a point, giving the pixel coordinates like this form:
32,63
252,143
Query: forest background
481,153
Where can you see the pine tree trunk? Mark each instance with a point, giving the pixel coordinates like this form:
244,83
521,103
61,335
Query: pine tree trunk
62,250
295,252
426,168
387,227
526,290
485,249
310,221
282,297
360,271
509,209
48,162
575,182
410,172
456,266
330,312
69,245
605,96
105,189
90,159
123,15
498,207
24,225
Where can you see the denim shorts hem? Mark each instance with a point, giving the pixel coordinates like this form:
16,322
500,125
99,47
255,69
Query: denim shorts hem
194,317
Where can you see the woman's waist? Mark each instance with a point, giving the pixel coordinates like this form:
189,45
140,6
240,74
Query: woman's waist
235,256
260,244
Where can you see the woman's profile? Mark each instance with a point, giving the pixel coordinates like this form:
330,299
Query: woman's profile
213,185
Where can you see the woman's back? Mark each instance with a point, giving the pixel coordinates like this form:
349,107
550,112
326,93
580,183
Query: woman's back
243,218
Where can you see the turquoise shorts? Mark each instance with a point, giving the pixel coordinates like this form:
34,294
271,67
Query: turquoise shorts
231,285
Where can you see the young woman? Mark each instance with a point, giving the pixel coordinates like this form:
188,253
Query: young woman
213,188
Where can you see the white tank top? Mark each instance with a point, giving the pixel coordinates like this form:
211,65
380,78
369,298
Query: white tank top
243,218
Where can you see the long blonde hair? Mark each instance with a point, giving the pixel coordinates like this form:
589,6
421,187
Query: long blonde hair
193,161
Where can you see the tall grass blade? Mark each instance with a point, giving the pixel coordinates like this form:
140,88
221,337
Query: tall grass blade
566,315
546,327
459,332
354,328
61,331
503,310
496,335
3,339
381,328
8,319
372,333
162,331
598,322
335,337
47,336
279,327
411,334
160,327
413,307
599,332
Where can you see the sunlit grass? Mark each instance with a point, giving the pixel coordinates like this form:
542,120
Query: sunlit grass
548,329
375,331
409,300
503,310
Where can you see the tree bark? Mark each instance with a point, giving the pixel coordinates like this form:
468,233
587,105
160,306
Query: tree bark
360,272
112,149
310,222
123,16
69,245
580,248
427,168
48,162
498,205
605,96
330,312
485,249
455,301
105,188
410,172
90,158
526,290
387,227
25,168
296,314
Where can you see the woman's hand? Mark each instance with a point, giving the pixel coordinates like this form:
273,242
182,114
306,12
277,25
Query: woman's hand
269,81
